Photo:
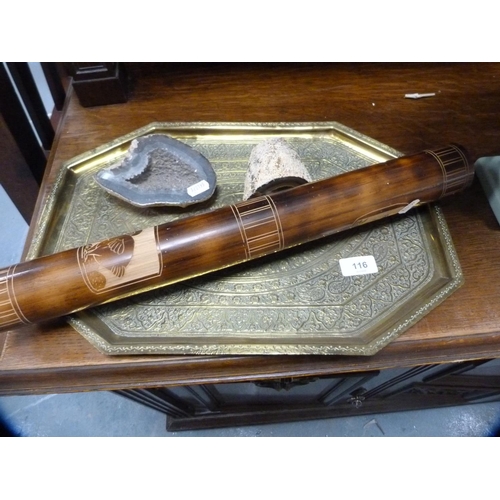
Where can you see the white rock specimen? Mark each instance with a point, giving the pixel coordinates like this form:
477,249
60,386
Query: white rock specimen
273,166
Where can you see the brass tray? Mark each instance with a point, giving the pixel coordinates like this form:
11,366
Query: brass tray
296,302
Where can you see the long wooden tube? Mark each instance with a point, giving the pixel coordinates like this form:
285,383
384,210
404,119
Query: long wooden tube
65,282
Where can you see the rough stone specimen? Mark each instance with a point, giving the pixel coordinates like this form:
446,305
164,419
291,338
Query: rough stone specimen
273,166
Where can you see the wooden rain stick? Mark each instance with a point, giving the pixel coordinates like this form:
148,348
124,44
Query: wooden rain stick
65,282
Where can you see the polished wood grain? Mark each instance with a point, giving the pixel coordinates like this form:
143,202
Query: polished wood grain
366,97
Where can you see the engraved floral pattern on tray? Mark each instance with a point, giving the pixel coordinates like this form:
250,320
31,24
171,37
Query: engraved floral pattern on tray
296,294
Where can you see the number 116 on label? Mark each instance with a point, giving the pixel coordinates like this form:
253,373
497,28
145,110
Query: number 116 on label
354,266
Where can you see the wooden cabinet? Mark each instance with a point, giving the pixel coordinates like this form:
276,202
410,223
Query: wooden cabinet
304,398
439,361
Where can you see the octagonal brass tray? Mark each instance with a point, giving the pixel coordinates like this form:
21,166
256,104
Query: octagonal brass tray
295,302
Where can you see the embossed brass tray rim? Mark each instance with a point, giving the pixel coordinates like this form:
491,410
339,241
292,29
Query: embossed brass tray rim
86,323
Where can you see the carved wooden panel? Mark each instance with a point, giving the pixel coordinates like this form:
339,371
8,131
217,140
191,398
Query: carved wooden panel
308,398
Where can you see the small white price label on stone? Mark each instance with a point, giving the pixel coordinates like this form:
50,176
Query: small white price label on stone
354,266
198,188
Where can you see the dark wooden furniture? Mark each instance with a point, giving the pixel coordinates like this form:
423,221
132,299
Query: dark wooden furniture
26,131
24,113
442,360
98,83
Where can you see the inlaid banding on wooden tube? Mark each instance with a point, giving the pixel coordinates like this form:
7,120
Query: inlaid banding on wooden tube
55,285
260,226
457,172
10,313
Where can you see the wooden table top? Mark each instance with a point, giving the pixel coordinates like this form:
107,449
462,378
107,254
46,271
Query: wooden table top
368,98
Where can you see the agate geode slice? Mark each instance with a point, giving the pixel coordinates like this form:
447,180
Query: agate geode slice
160,170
